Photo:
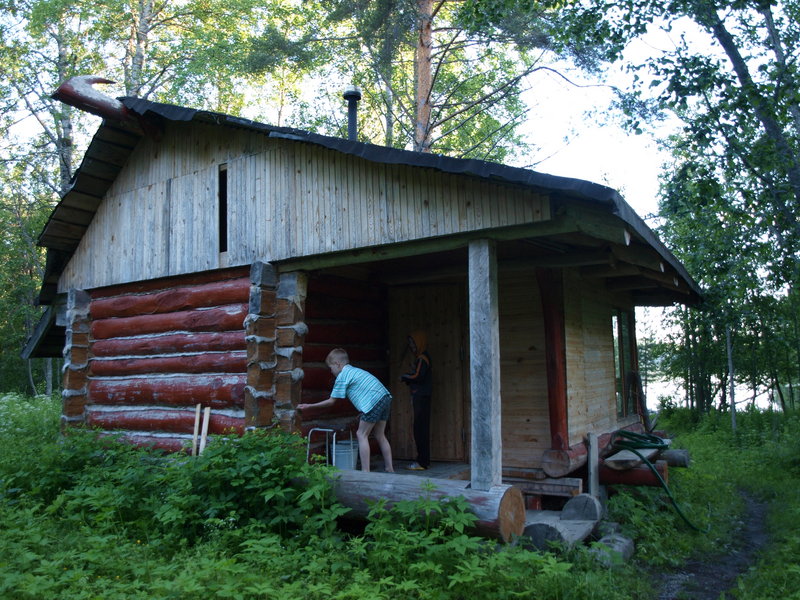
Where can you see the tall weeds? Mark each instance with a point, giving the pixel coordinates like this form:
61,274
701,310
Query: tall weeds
85,516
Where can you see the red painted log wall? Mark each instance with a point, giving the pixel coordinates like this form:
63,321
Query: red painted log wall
165,344
216,391
149,419
159,348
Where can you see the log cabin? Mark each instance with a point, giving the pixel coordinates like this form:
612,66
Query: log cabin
202,258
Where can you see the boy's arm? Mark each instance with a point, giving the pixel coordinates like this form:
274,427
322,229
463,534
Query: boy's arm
320,404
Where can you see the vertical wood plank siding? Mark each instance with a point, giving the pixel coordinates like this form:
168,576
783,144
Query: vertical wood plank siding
590,356
285,199
525,417
158,348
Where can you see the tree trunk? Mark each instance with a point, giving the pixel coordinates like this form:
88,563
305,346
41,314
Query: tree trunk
707,16
729,347
64,144
780,58
137,47
48,376
28,364
423,76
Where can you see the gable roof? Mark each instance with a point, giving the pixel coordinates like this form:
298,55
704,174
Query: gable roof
117,137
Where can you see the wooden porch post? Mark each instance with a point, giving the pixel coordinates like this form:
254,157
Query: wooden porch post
552,293
484,353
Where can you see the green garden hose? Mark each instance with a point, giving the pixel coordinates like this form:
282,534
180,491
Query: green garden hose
628,440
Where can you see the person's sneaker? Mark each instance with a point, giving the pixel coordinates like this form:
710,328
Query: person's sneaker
415,467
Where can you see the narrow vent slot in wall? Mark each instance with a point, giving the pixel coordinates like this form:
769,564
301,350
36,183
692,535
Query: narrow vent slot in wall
222,197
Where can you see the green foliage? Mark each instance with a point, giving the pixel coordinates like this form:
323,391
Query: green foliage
760,460
89,517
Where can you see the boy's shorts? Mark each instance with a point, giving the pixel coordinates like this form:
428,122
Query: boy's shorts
379,412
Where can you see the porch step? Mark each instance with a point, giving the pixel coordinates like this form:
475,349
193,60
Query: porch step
544,526
570,526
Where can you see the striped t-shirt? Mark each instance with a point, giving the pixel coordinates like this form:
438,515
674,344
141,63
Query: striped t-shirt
360,387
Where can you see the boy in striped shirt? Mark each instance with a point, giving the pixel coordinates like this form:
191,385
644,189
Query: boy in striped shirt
371,399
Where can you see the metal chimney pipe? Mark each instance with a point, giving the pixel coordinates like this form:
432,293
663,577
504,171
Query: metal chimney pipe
352,94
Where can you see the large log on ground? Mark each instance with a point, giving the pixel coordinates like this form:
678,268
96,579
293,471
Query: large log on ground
167,442
560,463
500,510
641,475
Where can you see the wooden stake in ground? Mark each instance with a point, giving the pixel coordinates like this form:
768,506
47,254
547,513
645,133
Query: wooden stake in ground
204,433
196,429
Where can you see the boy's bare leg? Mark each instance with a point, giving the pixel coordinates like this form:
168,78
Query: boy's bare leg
364,429
383,443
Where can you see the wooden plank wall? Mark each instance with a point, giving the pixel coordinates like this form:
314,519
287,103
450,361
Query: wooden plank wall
159,348
286,199
590,356
525,416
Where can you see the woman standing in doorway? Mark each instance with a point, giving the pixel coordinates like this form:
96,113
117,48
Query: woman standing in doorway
420,382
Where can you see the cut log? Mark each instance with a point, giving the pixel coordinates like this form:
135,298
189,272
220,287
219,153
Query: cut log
559,463
565,486
212,362
626,459
216,293
545,526
156,419
641,475
226,318
155,285
167,344
676,458
500,510
217,391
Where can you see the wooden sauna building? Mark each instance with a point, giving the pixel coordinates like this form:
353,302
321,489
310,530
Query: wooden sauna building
204,258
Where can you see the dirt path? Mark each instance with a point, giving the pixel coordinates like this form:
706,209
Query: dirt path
707,578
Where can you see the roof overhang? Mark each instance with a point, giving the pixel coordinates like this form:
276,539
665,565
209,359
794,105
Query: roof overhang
588,215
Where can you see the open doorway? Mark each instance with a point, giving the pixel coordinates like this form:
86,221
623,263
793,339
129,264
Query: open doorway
440,310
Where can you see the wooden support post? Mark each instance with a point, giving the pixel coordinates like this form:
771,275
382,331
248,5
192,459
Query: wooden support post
594,464
484,342
551,291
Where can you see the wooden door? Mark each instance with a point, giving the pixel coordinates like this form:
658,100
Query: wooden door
440,310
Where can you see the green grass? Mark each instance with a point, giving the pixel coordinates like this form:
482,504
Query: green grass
88,517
